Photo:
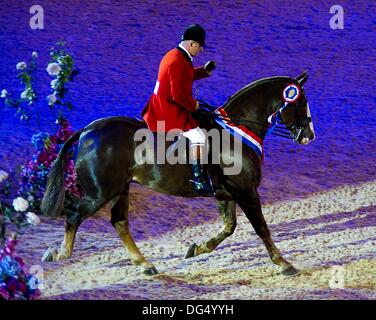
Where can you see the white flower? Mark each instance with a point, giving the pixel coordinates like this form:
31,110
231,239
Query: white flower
54,83
24,94
34,54
53,69
51,98
21,65
3,176
30,198
32,218
20,204
4,93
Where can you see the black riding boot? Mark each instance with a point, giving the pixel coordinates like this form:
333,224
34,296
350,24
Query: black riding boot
199,181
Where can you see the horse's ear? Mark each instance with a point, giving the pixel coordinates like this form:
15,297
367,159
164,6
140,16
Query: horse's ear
302,78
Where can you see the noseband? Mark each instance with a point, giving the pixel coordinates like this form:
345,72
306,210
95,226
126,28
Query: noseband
287,131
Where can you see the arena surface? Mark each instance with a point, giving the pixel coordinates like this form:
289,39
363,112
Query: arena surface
319,200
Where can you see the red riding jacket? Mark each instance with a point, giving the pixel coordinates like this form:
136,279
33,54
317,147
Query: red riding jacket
172,99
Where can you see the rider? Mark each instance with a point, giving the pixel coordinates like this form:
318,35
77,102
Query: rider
172,100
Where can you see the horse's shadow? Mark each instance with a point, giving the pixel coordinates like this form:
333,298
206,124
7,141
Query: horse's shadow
306,227
294,228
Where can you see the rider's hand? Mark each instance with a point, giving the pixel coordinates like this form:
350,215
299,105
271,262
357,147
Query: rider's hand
209,66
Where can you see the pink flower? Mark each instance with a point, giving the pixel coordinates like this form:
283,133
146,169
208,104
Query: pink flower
4,293
43,157
11,285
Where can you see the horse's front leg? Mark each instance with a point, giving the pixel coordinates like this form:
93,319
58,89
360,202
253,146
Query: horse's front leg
251,206
228,215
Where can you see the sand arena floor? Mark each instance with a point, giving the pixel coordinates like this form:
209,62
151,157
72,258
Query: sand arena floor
329,236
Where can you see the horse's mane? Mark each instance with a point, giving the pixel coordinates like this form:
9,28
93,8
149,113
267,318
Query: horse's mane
249,87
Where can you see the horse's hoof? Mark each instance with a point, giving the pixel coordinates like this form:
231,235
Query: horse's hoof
191,251
50,255
290,272
150,271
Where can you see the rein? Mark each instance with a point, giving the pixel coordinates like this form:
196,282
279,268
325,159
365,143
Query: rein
274,120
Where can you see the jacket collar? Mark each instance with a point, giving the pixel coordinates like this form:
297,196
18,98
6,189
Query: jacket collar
185,53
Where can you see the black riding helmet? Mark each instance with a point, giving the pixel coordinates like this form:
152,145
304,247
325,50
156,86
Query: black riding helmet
196,33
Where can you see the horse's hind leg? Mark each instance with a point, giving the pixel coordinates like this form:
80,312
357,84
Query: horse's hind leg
228,215
252,209
119,219
74,217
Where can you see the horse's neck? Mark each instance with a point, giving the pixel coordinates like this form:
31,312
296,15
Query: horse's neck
253,114
256,107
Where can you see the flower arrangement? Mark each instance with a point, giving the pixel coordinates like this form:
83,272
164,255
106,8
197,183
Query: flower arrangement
33,175
17,214
33,178
15,282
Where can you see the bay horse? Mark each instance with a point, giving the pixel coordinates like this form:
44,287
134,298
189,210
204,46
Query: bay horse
106,166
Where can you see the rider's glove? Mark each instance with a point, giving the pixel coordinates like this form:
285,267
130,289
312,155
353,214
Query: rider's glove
210,66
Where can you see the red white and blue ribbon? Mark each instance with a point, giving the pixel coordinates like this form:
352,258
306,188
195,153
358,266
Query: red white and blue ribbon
273,119
291,93
241,132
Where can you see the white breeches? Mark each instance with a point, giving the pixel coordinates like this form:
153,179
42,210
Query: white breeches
196,136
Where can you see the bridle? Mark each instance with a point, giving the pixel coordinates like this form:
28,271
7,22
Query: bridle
287,131
276,126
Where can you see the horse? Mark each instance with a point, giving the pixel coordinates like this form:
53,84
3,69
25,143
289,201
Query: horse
105,166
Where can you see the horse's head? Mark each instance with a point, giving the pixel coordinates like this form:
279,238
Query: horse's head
295,113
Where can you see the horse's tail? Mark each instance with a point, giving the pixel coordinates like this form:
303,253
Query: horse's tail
53,199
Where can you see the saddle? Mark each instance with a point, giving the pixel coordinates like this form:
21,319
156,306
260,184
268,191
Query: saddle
204,115
213,173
